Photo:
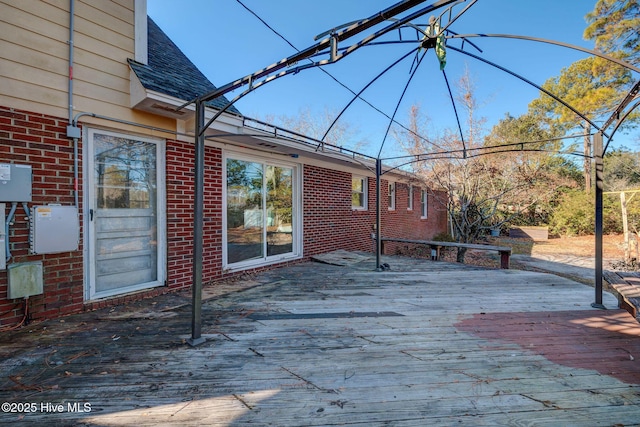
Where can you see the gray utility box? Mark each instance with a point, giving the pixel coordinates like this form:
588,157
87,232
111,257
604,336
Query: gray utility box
24,280
54,229
15,183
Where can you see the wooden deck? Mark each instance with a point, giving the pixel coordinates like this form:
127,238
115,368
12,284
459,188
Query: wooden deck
426,343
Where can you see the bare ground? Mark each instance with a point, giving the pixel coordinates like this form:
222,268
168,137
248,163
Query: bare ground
575,246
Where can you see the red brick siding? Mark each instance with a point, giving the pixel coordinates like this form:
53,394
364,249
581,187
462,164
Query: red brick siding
409,224
404,223
180,181
330,223
40,141
328,217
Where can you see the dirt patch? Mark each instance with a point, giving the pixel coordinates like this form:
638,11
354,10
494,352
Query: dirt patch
612,246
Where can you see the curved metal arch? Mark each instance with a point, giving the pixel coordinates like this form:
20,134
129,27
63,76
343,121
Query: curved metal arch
447,154
455,111
633,94
251,88
357,95
554,42
508,144
524,79
615,129
395,111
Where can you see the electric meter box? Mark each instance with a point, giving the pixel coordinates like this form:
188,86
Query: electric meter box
54,229
15,183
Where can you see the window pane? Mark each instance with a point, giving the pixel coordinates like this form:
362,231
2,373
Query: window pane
356,184
423,203
279,210
245,237
125,174
260,210
357,200
358,193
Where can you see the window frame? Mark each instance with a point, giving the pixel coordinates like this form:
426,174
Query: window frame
391,196
364,183
424,204
410,197
297,229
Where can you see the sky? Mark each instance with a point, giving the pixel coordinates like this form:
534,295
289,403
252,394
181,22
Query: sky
226,42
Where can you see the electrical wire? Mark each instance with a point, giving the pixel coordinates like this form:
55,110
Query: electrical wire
321,69
22,321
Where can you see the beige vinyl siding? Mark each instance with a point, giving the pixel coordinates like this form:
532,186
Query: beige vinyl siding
34,54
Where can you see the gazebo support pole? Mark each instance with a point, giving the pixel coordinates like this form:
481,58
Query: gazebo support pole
378,231
198,224
598,154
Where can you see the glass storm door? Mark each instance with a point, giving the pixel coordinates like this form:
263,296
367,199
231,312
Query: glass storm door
125,246
260,212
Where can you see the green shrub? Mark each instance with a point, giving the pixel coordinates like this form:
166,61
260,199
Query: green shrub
575,215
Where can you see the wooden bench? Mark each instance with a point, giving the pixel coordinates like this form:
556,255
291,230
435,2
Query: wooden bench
505,251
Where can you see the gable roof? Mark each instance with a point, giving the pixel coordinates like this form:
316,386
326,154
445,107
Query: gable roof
170,72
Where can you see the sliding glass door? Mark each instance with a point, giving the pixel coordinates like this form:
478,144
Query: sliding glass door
260,212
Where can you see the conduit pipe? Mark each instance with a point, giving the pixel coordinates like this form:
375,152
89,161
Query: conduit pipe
7,222
72,130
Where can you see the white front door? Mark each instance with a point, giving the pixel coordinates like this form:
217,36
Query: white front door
125,220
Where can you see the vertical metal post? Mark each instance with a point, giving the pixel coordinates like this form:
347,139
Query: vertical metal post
378,230
198,223
587,157
598,153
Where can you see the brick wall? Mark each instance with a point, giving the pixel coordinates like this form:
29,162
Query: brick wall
404,223
409,224
180,181
326,200
330,223
40,141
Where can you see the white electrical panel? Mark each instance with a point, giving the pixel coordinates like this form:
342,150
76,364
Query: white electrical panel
54,229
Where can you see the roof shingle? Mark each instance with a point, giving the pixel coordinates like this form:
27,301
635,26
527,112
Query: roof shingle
170,72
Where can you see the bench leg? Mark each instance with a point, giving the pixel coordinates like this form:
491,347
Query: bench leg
504,260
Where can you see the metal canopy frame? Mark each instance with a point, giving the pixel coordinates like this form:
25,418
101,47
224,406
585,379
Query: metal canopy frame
329,43
329,46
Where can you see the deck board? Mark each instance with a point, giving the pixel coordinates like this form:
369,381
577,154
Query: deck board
465,346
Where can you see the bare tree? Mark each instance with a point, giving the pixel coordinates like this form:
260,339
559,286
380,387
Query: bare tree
485,183
315,125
